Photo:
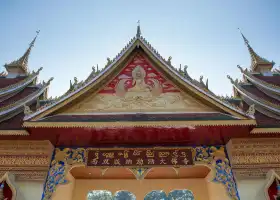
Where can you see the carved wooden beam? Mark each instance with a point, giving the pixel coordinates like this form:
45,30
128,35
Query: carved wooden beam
254,157
27,160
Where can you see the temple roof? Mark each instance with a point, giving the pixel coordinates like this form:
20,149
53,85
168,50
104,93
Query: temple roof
21,65
98,78
18,91
258,63
257,90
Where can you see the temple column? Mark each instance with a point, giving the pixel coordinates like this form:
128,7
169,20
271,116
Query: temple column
251,159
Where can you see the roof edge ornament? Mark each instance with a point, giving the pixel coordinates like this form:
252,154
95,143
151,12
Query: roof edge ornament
22,62
256,60
251,110
138,33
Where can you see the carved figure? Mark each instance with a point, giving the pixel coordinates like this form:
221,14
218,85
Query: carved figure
27,110
139,86
251,111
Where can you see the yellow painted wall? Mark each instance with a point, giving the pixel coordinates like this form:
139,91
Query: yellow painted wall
30,190
141,188
65,192
251,189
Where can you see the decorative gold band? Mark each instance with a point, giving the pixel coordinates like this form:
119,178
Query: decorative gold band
265,130
13,132
139,124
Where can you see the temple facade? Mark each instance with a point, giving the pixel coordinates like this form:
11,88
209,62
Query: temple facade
140,128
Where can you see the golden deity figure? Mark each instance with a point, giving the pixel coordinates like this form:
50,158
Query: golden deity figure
138,83
140,89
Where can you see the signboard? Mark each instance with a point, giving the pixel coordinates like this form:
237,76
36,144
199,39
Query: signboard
139,157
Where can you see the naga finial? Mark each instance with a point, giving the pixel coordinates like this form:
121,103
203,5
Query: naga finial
201,79
109,61
169,60
75,80
241,69
93,70
49,81
231,80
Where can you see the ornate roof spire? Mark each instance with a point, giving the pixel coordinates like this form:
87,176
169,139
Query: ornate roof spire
258,64
138,34
21,65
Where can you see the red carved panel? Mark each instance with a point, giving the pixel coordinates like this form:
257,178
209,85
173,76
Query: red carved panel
151,73
272,191
7,192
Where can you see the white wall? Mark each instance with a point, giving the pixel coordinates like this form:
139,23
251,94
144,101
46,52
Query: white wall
251,189
30,190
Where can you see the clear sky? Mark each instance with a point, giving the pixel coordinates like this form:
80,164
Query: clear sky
75,35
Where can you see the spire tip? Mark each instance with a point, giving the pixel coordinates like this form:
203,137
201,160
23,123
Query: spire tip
138,34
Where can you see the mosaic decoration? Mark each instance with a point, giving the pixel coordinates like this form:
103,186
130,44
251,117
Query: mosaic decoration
156,195
215,156
107,195
62,159
124,195
100,195
180,195
139,172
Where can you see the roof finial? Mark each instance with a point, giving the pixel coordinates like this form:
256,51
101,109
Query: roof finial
244,38
22,62
138,34
256,60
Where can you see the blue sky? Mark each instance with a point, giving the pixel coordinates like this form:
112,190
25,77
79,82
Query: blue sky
75,35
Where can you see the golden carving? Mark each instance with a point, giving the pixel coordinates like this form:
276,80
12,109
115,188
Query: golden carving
28,160
23,160
252,157
137,95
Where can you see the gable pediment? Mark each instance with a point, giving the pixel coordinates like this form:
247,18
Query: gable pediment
138,80
139,87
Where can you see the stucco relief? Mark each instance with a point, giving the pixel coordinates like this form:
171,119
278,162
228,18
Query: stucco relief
139,87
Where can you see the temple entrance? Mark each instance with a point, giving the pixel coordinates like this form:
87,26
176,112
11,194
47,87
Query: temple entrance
188,183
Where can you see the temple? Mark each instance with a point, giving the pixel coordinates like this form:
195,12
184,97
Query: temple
140,128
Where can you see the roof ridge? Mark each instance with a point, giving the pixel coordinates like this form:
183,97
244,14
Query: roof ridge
200,86
256,98
247,73
25,99
22,83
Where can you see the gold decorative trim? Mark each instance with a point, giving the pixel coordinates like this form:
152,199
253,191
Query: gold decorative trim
253,157
265,130
28,160
13,132
139,124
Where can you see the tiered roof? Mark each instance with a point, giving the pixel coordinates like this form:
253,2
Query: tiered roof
138,41
260,88
19,88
